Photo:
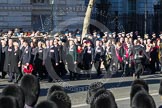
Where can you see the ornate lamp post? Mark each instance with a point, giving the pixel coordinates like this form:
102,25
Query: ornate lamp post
52,16
157,17
145,16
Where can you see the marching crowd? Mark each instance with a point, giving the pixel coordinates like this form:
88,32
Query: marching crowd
70,53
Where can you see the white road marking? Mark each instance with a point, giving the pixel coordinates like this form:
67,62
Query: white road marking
120,99
79,105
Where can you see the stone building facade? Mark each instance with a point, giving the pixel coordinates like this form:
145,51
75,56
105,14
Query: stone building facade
68,14
41,14
130,15
117,15
15,13
135,15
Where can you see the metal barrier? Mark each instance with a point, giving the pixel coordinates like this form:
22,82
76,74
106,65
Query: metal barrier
28,37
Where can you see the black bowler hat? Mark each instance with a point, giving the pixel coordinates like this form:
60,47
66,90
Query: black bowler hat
134,90
141,82
31,87
16,92
53,89
93,88
61,99
46,104
143,100
11,102
103,99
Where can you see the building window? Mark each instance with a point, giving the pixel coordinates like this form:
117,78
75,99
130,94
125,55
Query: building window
132,6
38,1
86,2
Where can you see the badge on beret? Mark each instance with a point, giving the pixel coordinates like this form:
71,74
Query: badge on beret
71,49
89,51
40,50
51,50
9,49
98,50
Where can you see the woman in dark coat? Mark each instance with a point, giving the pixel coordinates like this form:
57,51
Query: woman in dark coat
88,58
98,57
62,49
15,66
79,65
38,61
3,50
72,59
154,57
8,59
107,57
33,46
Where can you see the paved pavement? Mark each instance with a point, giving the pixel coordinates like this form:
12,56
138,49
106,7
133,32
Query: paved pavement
119,86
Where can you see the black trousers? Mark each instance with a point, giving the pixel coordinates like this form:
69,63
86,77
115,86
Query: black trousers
61,69
152,67
56,68
97,65
138,69
126,70
73,75
17,76
10,73
1,70
39,71
107,65
72,70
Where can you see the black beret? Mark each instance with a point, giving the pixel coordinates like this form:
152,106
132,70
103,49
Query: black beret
141,82
16,92
135,89
61,99
31,87
46,104
143,100
104,98
93,88
54,88
8,102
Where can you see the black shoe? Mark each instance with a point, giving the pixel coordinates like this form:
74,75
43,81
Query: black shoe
16,81
40,78
99,73
88,76
3,77
124,74
78,78
50,80
71,79
9,80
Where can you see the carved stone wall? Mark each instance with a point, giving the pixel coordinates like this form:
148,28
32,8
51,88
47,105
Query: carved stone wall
15,13
69,14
